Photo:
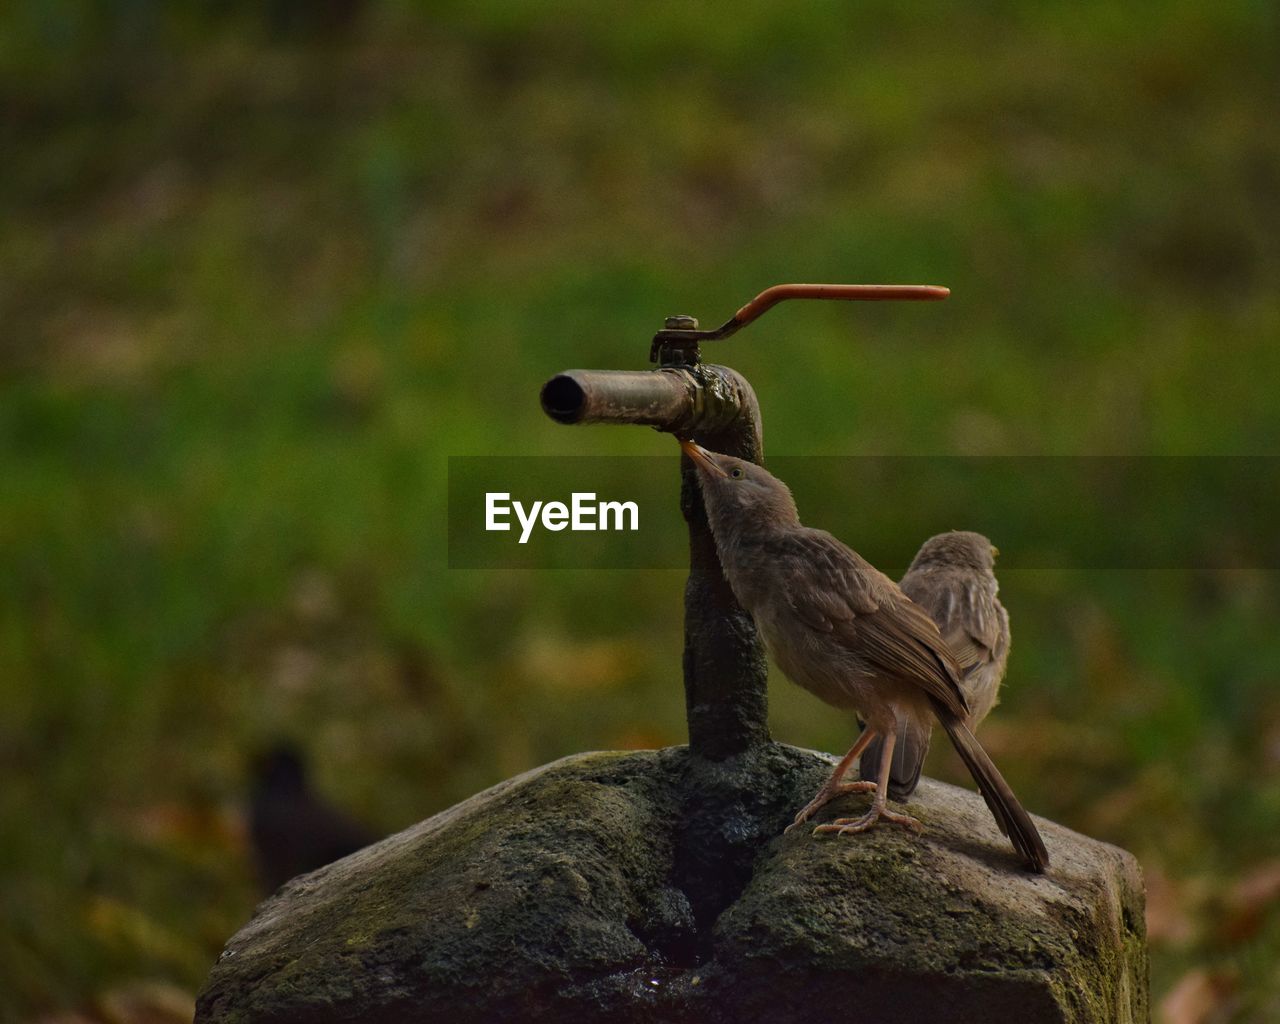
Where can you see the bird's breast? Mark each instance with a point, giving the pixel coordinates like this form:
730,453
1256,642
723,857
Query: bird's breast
814,660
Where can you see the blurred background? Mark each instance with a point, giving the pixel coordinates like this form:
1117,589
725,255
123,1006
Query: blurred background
264,266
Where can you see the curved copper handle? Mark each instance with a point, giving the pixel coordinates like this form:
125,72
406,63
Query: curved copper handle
770,297
679,344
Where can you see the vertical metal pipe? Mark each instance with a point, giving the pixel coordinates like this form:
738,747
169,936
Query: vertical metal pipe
725,670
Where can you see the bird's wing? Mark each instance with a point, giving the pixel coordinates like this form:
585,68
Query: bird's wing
832,589
823,581
966,610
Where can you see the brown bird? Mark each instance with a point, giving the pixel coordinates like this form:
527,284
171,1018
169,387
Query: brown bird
844,631
953,579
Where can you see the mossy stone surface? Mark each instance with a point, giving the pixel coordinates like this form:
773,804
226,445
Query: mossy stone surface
588,890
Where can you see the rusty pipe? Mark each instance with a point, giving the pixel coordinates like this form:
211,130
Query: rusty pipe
725,672
683,400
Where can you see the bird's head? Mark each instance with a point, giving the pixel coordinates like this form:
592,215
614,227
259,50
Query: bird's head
957,549
738,490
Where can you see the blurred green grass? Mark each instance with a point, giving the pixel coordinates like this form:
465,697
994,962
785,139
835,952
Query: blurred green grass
265,269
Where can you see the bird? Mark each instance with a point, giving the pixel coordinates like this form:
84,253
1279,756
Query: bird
952,578
843,630
293,830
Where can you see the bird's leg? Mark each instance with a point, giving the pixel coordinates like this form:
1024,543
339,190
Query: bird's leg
878,809
833,786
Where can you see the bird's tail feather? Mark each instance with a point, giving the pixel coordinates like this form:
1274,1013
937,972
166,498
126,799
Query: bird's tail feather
1013,820
908,759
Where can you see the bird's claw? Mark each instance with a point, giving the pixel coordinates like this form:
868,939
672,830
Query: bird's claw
800,819
824,797
844,826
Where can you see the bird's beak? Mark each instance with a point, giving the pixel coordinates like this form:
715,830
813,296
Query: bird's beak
701,458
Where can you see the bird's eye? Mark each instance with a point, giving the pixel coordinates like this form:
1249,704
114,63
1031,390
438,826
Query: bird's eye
736,472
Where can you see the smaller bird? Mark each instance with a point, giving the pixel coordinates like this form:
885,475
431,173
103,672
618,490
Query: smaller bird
952,578
843,630
293,830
